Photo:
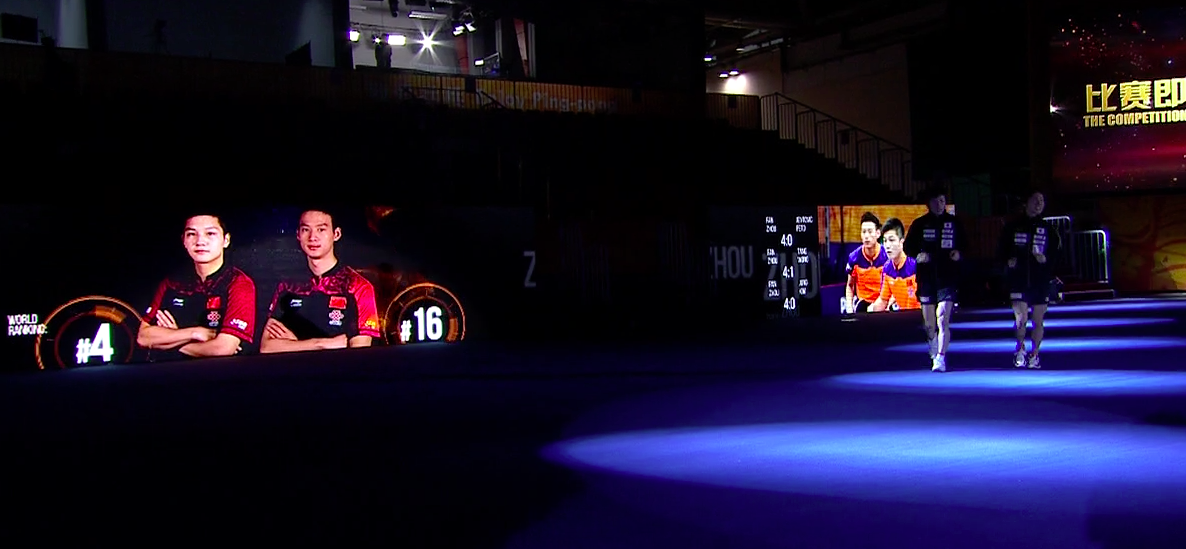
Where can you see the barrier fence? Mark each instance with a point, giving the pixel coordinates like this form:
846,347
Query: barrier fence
1089,250
1085,257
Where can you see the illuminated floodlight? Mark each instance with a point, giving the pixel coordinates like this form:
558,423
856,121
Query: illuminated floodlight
469,26
724,75
1053,109
1017,382
1007,345
355,35
458,30
995,465
479,62
734,72
396,40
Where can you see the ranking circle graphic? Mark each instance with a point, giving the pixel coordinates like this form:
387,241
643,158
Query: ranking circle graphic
91,330
424,313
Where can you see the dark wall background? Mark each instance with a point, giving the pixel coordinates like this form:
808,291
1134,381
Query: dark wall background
968,92
243,30
621,44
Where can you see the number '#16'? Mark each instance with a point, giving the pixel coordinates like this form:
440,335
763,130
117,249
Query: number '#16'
429,326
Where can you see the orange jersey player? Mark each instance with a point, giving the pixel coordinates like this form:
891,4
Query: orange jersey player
864,268
899,282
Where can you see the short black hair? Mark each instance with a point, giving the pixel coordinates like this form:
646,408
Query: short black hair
327,210
870,217
894,224
930,193
217,217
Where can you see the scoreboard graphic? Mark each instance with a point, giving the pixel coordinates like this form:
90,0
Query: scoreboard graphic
766,260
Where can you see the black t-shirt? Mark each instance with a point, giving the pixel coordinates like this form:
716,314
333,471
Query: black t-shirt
1020,240
224,302
340,301
938,236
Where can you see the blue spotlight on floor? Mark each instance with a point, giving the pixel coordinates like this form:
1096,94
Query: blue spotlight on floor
1096,306
1005,325
1014,466
1006,345
1020,382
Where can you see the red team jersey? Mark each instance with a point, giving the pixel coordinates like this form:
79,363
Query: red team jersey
901,283
224,302
867,272
340,301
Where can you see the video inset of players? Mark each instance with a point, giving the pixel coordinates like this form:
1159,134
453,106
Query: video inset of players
917,268
210,309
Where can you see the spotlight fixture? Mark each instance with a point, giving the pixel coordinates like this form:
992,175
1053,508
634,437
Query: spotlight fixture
355,35
734,72
724,75
396,40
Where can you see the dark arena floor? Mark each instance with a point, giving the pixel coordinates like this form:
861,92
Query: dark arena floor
813,434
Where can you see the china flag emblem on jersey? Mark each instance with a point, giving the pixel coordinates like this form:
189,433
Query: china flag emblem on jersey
213,302
337,302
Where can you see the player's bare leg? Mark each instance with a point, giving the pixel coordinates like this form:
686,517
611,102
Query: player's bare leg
943,318
931,325
1021,311
930,321
1036,337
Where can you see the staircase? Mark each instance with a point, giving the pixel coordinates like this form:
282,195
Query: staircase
873,157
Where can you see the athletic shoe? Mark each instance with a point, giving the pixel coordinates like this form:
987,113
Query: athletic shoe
939,364
1034,363
1019,359
933,347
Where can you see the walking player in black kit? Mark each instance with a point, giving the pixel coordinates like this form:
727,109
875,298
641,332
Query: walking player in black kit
935,241
1028,248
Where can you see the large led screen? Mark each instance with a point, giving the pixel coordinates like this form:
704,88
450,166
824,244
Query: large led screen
856,250
157,283
1119,100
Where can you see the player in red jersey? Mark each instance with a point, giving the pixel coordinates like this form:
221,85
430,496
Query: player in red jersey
333,308
206,311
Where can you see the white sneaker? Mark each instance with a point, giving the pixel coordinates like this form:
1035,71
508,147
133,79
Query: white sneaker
938,364
1019,359
1034,363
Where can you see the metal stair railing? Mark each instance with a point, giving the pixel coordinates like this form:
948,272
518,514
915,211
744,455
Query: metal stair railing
856,149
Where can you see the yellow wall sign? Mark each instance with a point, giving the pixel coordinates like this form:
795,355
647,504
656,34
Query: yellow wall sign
1136,102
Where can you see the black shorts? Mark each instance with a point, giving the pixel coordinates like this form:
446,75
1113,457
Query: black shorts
932,292
1035,294
1028,291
